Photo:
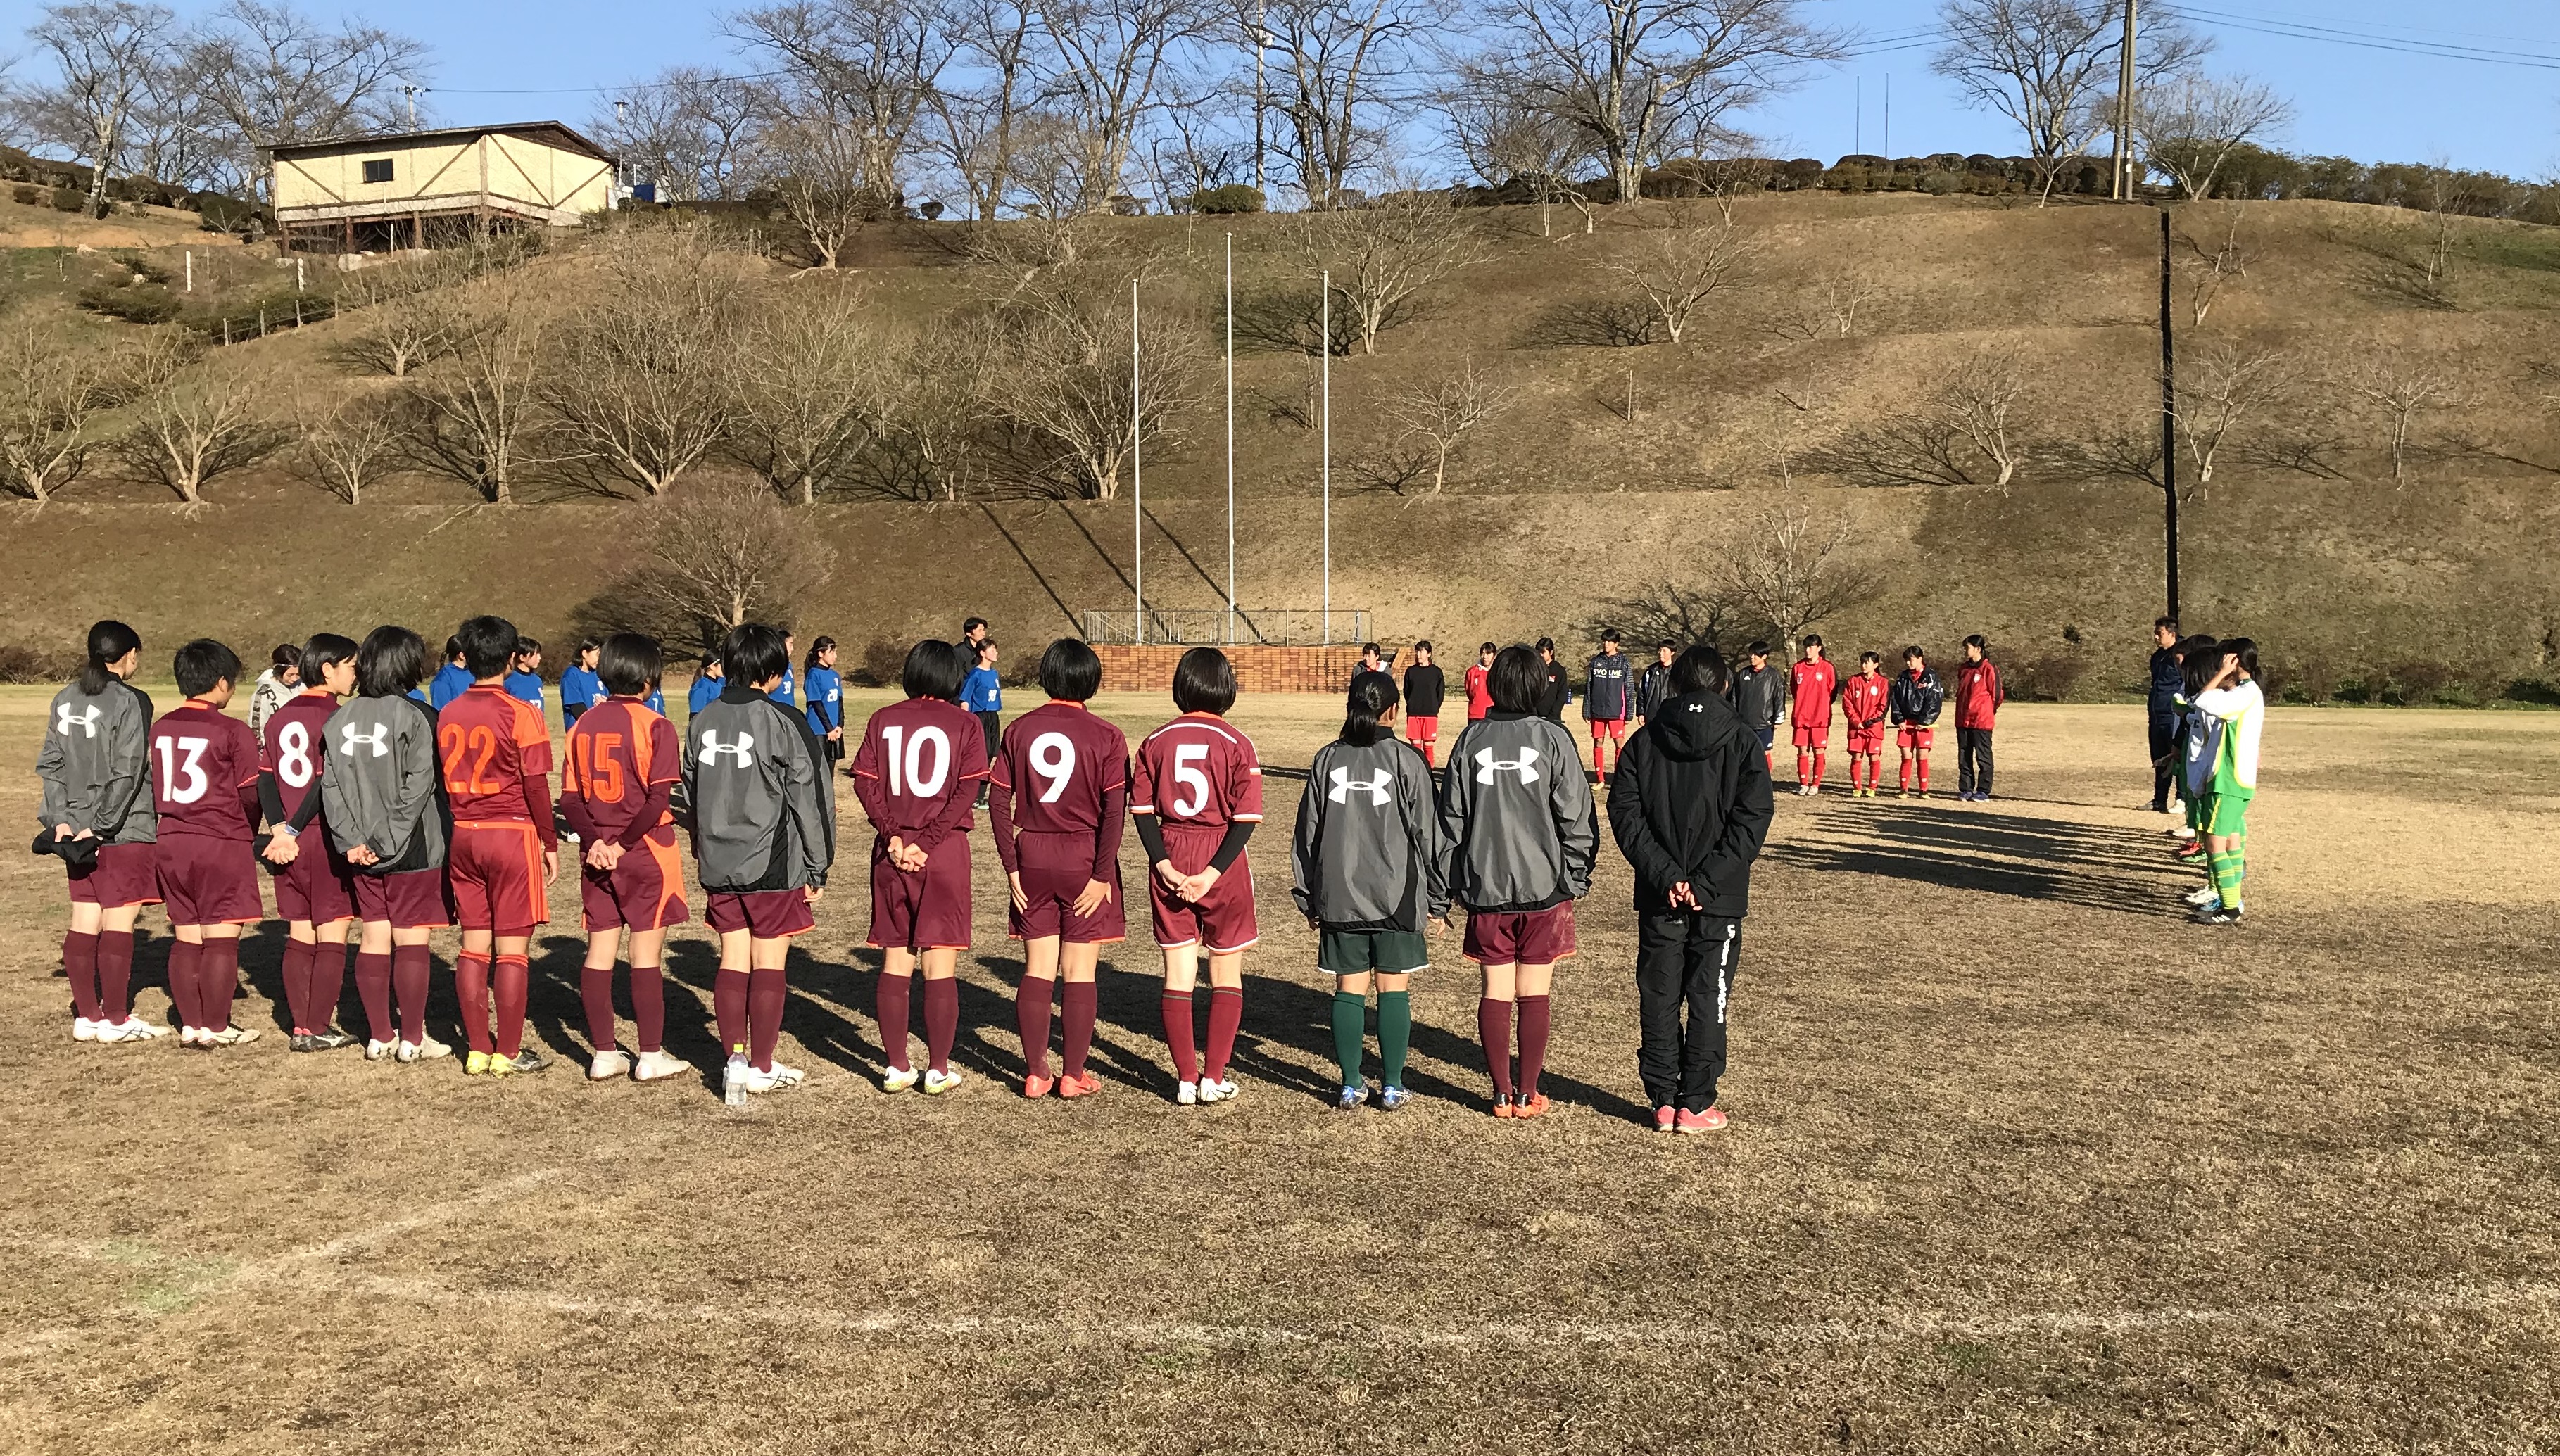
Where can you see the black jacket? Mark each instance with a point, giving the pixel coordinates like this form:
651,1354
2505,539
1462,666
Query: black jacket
1550,703
2169,681
1690,801
1425,691
1651,688
1915,700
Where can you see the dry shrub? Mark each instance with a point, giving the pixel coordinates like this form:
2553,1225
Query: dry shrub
36,664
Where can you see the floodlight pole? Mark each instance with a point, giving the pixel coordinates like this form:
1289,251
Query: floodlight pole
2168,415
1324,327
1137,485
1230,440
2123,190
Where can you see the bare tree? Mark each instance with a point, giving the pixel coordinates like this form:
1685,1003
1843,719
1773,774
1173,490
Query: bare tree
1680,261
476,414
52,389
1796,568
862,70
348,441
643,381
1384,254
979,111
2048,64
810,387
1508,141
1979,403
2219,388
2398,389
937,418
1443,408
198,423
1106,59
1832,306
2212,270
2190,126
1649,80
1062,374
104,55
823,177
714,559
275,76
686,134
397,323
1336,61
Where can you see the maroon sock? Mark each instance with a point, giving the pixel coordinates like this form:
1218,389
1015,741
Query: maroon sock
1225,1015
511,976
116,975
1031,1015
942,1021
373,988
327,977
1534,1015
728,1008
297,984
182,981
649,1006
1493,1025
217,972
1178,1035
889,1001
764,997
471,988
79,967
596,988
411,967
1082,998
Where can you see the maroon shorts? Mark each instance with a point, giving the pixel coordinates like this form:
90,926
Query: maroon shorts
315,887
927,910
1813,738
1055,870
1521,937
1867,739
122,874
1911,735
645,890
206,881
1420,729
765,914
1223,922
1608,728
410,899
496,872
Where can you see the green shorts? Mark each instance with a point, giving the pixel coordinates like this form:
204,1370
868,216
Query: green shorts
1357,953
2228,815
2196,804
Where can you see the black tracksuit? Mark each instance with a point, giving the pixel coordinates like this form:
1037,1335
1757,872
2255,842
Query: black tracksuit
1425,691
1690,804
1550,703
2168,680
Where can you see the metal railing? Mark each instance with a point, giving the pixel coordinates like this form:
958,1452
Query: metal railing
1218,626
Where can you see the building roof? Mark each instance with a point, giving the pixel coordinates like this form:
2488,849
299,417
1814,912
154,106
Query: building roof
549,134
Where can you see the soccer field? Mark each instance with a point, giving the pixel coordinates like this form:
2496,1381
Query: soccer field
2021,1161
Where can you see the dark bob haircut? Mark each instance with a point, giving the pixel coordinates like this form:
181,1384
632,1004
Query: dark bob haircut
324,651
1517,679
202,664
392,662
754,655
1069,670
1203,682
935,669
628,662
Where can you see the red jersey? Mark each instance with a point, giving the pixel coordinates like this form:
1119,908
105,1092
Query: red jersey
618,752
1809,686
1863,699
1062,763
1198,773
204,773
295,747
1480,692
1979,694
490,742
917,770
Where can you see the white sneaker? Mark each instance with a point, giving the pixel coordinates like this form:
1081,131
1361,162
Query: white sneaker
781,1079
85,1030
2208,895
135,1029
656,1066
425,1051
1187,1094
1223,1089
229,1037
377,1051
899,1078
192,1036
608,1065
935,1082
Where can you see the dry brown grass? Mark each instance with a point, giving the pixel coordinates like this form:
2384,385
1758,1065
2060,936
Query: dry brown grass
2019,1163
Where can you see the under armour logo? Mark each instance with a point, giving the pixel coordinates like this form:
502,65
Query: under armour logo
743,749
1345,786
1526,766
86,719
380,740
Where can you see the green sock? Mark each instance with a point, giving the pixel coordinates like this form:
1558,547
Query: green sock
1394,1032
1350,1017
2228,874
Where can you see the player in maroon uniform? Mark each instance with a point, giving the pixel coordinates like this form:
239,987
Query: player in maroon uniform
917,774
315,892
496,753
205,788
1864,695
1196,795
1060,790
621,775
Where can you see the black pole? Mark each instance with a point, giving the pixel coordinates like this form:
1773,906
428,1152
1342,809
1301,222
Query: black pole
2168,416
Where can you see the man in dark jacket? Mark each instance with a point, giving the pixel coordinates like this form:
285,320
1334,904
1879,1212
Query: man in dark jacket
1656,684
1691,806
1758,693
1608,701
2168,680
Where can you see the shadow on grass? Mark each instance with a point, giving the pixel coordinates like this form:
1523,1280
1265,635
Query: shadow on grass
2121,870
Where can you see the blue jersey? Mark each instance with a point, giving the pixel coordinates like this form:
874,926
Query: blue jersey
450,682
705,689
579,689
826,701
527,687
782,690
981,693
658,702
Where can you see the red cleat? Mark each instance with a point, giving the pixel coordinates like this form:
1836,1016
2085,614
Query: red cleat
1711,1120
1503,1107
1036,1086
1536,1106
1079,1087
1663,1117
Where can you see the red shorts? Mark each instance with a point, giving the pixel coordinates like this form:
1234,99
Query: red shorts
1521,937
1420,729
496,871
1912,735
206,881
928,909
1055,870
645,889
1867,739
764,914
124,875
315,887
409,899
1608,728
1813,738
1224,921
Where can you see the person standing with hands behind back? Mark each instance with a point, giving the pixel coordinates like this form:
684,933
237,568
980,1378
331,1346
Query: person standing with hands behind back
1978,697
1690,808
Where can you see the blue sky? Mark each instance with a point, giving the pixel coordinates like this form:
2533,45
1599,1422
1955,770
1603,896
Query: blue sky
2377,104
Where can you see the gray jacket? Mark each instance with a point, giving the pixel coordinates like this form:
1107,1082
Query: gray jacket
378,784
95,763
1366,853
758,795
1518,827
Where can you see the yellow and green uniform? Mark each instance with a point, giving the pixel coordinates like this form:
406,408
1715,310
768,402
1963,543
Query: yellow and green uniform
2235,718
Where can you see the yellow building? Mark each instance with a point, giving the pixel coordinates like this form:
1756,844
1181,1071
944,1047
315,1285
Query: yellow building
419,189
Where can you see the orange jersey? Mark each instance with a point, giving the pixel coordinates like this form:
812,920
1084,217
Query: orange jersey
489,743
618,751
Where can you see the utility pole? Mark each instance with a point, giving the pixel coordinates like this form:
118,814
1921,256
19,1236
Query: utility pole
1262,42
2123,190
2168,416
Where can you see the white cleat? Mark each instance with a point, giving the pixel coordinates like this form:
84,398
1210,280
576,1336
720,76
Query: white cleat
194,1036
935,1082
608,1065
657,1066
229,1037
85,1030
1187,1094
780,1078
129,1030
899,1078
1222,1090
2208,895
409,1053
378,1051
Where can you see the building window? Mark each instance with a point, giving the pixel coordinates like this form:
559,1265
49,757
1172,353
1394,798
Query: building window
378,169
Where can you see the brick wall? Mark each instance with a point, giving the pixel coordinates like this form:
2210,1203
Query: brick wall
1127,669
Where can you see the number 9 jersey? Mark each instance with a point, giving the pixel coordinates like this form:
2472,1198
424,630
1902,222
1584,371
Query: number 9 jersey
1061,782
